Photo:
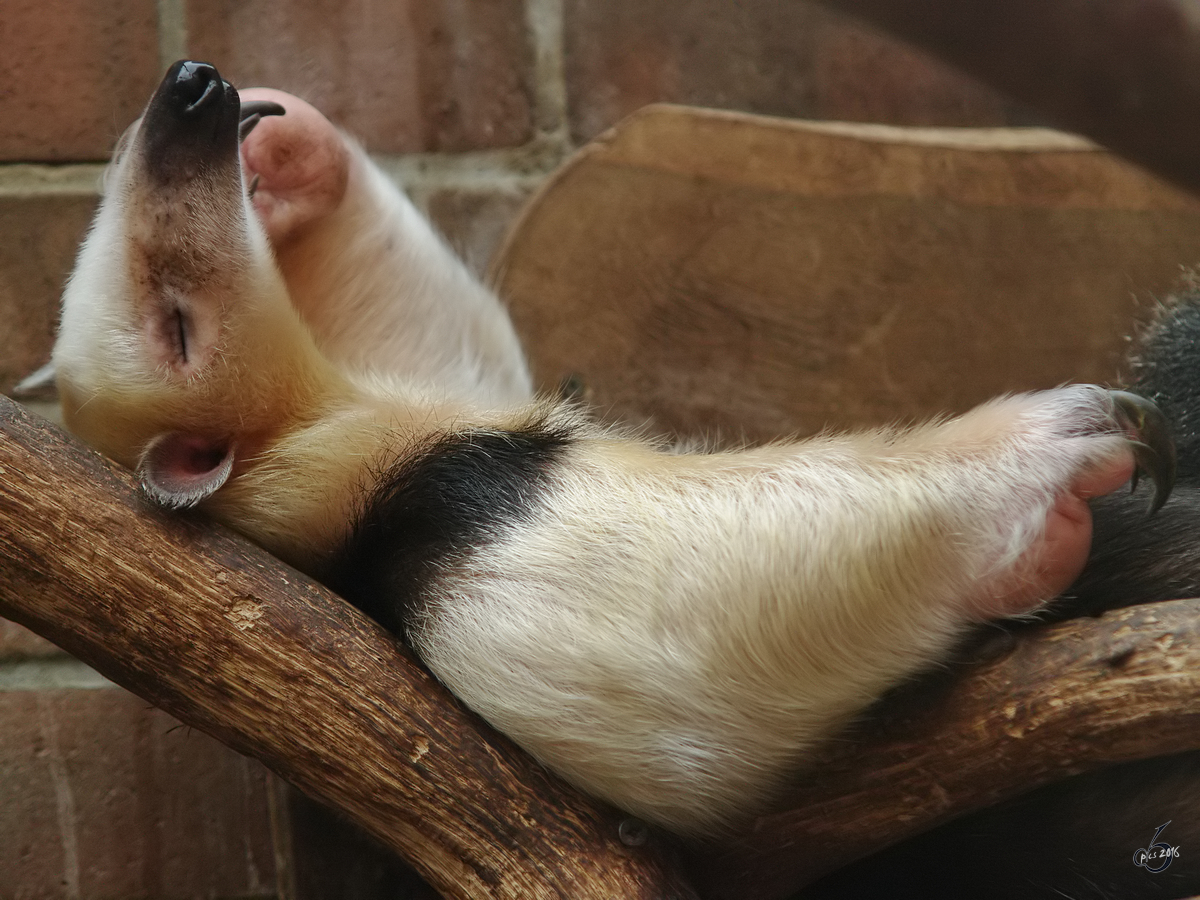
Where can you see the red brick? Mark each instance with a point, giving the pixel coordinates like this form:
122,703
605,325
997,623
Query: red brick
38,240
21,643
475,222
622,54
864,76
102,797
73,74
401,76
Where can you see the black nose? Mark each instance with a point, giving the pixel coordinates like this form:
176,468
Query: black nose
191,124
196,88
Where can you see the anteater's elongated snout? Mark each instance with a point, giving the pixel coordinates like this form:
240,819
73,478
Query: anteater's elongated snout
191,124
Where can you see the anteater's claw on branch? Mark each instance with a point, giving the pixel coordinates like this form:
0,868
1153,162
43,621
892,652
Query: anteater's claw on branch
252,111
1150,438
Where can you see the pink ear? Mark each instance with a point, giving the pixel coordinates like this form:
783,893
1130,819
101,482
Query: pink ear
179,470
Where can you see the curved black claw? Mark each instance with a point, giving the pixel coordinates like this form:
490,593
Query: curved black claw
252,111
1150,438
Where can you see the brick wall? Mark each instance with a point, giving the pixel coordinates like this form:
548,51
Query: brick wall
470,103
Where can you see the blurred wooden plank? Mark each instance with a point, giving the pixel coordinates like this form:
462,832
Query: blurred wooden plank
724,274
1124,72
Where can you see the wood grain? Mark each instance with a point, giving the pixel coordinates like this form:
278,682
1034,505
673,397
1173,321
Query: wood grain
231,641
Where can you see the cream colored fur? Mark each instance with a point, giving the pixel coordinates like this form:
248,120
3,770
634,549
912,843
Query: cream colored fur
376,245
672,632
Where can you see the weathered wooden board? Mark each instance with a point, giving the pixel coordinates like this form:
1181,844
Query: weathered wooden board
727,275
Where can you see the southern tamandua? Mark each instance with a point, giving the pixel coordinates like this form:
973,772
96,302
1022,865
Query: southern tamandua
672,632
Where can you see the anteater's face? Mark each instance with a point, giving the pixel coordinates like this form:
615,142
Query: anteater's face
176,319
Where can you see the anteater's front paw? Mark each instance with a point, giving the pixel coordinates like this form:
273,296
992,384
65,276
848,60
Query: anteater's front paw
1063,448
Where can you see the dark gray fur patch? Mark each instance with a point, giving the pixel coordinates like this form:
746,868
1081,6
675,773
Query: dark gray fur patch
435,506
1137,558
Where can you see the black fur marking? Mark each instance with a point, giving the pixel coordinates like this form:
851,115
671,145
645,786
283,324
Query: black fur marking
1076,838
1137,558
433,507
1167,370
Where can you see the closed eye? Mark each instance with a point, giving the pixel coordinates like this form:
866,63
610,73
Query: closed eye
181,330
172,334
182,327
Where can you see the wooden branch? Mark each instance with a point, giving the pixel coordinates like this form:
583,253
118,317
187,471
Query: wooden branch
1124,72
1066,699
231,641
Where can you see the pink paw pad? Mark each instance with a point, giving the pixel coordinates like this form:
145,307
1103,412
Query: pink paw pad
1097,440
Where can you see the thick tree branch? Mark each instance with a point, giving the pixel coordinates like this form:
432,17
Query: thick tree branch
229,640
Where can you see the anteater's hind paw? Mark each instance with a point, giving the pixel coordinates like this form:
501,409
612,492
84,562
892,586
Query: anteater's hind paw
1081,442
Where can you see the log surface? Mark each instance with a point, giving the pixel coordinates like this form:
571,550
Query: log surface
213,630
229,640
